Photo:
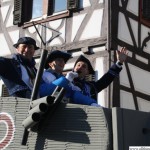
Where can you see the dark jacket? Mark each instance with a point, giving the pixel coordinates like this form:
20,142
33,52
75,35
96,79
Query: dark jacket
10,73
92,88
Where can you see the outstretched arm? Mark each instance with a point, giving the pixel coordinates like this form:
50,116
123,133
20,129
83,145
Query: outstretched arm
114,70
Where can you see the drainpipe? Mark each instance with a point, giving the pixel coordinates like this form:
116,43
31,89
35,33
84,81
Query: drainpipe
108,25
109,45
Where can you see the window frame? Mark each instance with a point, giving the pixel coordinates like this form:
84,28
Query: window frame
64,2
23,18
143,20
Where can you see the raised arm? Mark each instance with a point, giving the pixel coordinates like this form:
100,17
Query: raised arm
114,70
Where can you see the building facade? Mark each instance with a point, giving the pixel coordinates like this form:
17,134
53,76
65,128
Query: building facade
94,28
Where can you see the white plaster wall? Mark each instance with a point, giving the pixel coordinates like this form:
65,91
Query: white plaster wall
32,30
55,25
143,105
97,49
4,49
140,79
123,31
5,0
78,53
48,34
134,26
133,7
101,1
85,3
10,19
77,20
142,59
14,35
126,100
93,27
55,42
124,77
99,68
4,11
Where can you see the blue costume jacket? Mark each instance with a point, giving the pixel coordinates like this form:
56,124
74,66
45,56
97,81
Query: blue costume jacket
75,96
92,88
10,73
86,97
83,96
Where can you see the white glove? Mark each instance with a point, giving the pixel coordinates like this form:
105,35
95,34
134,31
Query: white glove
95,104
71,75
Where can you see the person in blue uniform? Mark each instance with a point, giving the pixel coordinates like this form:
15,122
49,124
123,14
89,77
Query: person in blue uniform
54,66
82,93
84,69
18,73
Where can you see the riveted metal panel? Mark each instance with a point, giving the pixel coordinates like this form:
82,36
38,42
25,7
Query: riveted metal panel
70,127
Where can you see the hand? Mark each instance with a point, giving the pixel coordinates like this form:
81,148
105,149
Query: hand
71,75
122,54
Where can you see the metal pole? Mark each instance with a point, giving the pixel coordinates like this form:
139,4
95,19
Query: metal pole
39,75
36,88
109,45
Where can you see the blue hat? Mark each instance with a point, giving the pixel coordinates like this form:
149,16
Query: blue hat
57,54
26,40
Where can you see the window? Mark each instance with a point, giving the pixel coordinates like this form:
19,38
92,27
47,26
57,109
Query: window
37,8
26,11
145,12
60,5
